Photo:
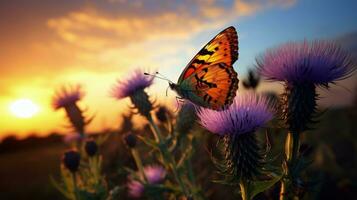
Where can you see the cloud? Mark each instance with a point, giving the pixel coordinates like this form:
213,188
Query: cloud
92,29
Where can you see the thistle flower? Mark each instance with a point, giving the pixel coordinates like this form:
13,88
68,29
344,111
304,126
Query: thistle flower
318,62
136,189
303,66
91,147
67,98
237,124
133,87
71,160
154,174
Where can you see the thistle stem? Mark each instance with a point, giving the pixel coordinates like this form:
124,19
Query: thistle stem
139,163
75,188
155,130
166,155
292,144
243,190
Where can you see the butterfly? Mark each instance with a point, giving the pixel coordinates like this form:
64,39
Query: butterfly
209,79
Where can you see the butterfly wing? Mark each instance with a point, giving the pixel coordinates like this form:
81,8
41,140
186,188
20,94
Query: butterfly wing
209,79
223,48
212,86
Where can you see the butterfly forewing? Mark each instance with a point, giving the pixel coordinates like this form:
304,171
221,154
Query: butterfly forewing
223,48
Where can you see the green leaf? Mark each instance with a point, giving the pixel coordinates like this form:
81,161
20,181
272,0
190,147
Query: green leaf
60,188
257,187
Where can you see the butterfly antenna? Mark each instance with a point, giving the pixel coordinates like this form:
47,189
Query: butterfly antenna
164,77
159,77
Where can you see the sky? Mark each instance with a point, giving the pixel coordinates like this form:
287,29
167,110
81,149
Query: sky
46,44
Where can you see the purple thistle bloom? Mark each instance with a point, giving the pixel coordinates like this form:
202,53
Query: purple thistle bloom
317,62
247,113
67,96
136,189
137,81
154,174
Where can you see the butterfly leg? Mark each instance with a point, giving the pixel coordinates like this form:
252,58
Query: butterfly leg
179,101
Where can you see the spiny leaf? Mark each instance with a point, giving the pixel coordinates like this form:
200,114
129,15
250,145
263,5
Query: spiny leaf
256,187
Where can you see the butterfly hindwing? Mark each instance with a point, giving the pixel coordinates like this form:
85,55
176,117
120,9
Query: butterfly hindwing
223,48
215,86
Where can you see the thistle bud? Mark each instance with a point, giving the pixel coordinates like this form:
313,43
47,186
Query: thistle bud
71,160
130,140
252,80
162,114
91,147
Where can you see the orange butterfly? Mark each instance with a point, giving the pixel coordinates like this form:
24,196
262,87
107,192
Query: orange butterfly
209,79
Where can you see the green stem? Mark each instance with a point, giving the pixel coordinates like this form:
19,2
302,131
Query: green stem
166,155
75,188
244,190
292,144
191,175
139,163
155,130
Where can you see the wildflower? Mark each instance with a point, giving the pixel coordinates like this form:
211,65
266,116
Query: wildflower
130,140
303,66
67,98
136,189
154,174
71,160
133,87
91,147
236,125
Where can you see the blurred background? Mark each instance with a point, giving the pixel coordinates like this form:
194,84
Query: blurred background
46,44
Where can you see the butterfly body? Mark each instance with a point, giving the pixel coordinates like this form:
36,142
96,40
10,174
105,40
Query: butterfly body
209,80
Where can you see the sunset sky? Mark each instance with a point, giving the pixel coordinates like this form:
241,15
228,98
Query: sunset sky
44,44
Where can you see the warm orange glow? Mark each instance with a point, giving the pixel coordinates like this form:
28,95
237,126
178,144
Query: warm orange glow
23,108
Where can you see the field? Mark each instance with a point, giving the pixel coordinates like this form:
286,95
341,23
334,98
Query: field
25,168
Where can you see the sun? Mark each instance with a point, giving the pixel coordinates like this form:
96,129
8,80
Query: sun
23,108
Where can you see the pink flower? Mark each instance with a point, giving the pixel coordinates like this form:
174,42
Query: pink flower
67,96
317,62
127,87
247,113
154,174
